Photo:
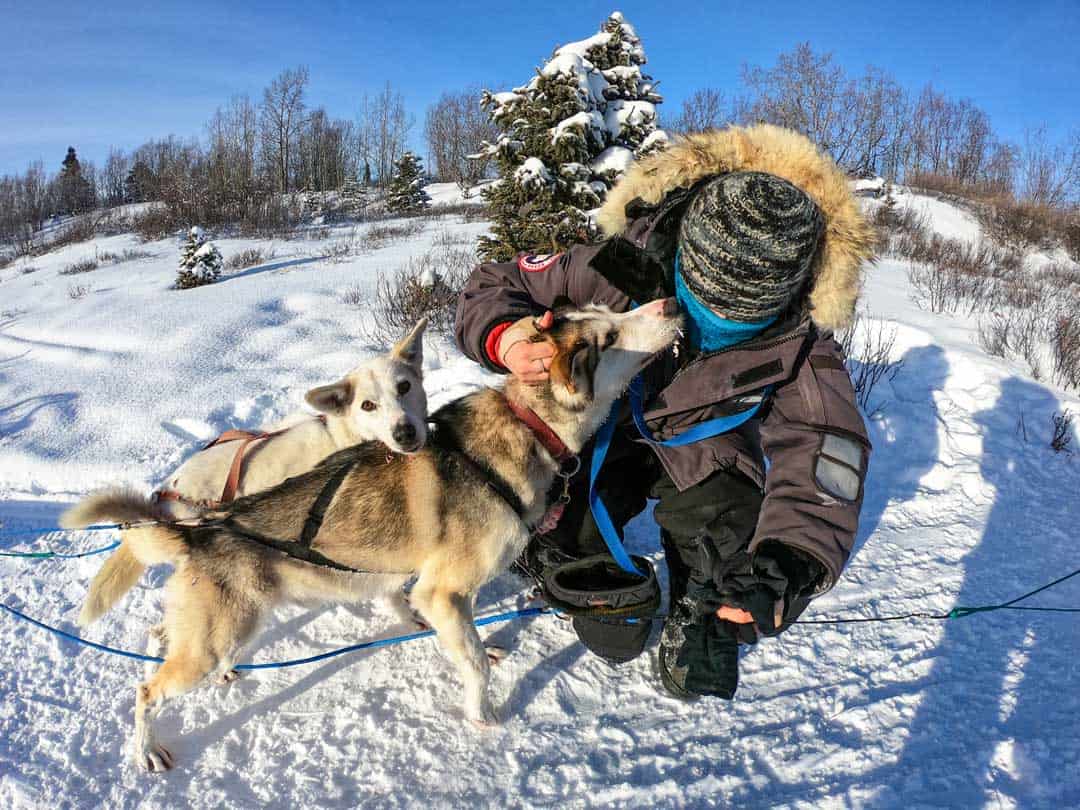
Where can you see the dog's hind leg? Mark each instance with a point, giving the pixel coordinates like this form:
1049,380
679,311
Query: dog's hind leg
398,602
450,614
179,674
202,634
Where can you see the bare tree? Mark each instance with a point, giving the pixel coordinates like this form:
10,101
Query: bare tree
704,109
455,128
281,120
1050,172
807,92
112,178
383,131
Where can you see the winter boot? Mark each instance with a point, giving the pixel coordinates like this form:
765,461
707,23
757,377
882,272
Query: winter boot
696,656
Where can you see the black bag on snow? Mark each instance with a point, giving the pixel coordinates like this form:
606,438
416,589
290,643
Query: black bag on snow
611,609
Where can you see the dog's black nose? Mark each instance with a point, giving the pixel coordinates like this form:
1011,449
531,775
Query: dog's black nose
404,433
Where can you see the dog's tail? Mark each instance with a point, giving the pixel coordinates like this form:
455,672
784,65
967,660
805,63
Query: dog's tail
140,546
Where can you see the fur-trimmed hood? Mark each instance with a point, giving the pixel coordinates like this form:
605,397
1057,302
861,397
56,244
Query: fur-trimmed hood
848,239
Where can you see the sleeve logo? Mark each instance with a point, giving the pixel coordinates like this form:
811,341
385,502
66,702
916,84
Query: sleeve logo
537,262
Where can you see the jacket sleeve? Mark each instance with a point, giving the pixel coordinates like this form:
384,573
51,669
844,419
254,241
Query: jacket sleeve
499,293
815,441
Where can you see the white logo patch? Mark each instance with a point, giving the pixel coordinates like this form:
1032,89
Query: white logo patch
536,263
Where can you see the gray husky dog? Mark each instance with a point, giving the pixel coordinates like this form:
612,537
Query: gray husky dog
453,515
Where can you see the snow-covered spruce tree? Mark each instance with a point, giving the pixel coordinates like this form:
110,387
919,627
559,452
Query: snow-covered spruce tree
406,192
566,137
200,261
352,197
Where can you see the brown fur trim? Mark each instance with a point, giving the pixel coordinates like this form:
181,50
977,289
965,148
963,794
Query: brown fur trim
848,240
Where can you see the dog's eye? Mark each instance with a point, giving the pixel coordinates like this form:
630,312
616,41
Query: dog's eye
610,338
403,387
368,405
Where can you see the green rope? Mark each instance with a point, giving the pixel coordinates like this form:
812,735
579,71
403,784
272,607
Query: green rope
961,612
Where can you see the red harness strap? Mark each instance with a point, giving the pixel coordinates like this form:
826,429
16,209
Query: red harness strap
560,452
544,434
232,482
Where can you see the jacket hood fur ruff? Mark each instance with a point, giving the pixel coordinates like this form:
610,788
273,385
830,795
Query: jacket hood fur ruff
848,240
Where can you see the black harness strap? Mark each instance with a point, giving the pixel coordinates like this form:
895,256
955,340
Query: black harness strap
300,549
444,438
318,509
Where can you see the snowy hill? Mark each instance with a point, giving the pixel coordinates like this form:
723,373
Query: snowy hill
109,376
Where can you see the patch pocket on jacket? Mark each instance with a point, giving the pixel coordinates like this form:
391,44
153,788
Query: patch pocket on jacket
838,468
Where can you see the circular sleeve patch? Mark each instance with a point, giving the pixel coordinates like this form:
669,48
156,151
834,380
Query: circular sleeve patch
537,262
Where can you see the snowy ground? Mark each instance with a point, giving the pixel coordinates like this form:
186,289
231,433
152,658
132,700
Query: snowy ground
966,504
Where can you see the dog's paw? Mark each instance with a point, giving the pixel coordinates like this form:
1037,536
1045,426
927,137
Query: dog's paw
495,654
156,759
227,677
483,717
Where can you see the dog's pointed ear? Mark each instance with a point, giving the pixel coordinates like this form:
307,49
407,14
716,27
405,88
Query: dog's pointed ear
410,349
574,368
333,398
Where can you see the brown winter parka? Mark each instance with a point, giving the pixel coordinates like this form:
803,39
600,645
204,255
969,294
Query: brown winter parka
809,427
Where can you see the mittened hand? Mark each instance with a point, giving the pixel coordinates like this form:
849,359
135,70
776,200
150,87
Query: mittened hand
765,595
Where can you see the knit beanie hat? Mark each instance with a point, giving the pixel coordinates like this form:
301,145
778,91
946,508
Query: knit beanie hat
747,242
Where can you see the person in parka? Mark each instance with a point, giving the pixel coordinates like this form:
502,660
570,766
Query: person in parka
755,233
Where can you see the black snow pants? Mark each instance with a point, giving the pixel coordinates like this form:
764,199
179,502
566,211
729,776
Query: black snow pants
722,510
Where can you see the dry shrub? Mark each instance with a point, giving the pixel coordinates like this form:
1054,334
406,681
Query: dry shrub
249,258
950,186
1059,276
126,255
77,291
84,266
354,296
953,275
427,286
156,222
995,335
1070,236
1065,350
380,235
1021,225
447,238
343,249
868,347
1061,431
276,216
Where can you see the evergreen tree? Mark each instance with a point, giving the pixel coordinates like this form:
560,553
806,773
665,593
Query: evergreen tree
200,261
76,193
406,192
566,138
352,197
139,184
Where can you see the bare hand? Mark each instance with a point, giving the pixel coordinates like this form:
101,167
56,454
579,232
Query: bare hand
526,359
734,615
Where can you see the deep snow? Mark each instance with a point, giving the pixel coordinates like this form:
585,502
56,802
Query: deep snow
966,504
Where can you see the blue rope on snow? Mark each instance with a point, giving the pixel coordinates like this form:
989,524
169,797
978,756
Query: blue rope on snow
50,555
295,662
97,527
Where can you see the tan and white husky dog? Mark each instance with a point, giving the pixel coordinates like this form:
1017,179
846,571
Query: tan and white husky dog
382,399
454,515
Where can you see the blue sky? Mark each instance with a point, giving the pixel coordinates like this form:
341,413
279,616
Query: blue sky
100,74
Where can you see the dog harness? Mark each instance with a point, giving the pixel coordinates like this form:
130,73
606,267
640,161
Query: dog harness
203,531
444,438
569,463
232,483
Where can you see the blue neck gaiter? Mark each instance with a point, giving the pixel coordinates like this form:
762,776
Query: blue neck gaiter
705,330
